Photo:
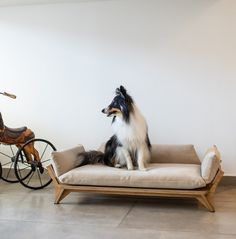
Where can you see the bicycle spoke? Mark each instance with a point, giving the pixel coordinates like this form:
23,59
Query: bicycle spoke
6,164
26,164
5,155
43,152
9,170
13,154
46,161
24,168
39,177
30,178
19,170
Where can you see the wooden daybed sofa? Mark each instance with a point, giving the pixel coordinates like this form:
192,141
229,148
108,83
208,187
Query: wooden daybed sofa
174,171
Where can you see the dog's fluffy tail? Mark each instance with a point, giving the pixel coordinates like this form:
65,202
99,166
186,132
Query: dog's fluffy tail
90,157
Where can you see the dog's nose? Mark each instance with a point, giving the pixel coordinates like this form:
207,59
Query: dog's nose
104,110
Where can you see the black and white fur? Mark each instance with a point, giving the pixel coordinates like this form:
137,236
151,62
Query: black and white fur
130,145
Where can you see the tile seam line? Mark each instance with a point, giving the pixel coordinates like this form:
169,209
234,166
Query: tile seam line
130,209
129,228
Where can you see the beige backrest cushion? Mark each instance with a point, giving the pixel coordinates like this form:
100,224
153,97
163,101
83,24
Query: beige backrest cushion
63,161
210,164
162,153
174,154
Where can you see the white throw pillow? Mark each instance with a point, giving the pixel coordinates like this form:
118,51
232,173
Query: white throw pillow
64,161
210,164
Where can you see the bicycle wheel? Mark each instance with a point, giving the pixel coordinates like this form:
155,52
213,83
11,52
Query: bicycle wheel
31,162
7,157
0,170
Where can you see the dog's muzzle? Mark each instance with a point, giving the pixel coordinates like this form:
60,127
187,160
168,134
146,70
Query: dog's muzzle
106,111
109,111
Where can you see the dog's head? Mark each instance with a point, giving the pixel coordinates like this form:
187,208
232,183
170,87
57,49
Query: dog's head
121,105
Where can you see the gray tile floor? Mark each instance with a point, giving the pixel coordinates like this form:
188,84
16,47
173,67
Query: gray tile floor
31,214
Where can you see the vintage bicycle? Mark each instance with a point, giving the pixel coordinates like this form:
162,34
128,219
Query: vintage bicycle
24,158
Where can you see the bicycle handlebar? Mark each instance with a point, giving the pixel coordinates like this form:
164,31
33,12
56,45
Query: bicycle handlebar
8,94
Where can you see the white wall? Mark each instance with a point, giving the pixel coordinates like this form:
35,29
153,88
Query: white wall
176,58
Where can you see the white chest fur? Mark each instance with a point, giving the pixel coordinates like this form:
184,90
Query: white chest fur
133,133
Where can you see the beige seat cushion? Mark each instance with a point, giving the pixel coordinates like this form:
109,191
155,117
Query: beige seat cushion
174,154
63,161
178,176
210,164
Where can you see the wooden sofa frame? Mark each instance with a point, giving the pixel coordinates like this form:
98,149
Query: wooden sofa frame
203,195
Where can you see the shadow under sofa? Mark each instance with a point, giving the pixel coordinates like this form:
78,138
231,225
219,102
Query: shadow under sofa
173,171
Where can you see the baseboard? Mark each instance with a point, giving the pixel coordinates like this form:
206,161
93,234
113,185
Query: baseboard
228,180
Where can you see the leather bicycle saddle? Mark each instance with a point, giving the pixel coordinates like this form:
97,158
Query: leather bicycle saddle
15,135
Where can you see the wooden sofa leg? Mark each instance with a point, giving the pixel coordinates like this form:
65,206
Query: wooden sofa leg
207,199
210,194
209,204
60,193
206,203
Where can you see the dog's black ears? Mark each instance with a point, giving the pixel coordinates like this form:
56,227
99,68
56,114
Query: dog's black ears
121,91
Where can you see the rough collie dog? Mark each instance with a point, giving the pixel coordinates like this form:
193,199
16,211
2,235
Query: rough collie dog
130,145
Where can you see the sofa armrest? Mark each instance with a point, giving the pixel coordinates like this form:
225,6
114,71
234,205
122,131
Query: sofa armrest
64,161
210,164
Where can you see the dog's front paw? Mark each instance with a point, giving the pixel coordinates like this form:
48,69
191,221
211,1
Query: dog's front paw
143,169
130,168
117,165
